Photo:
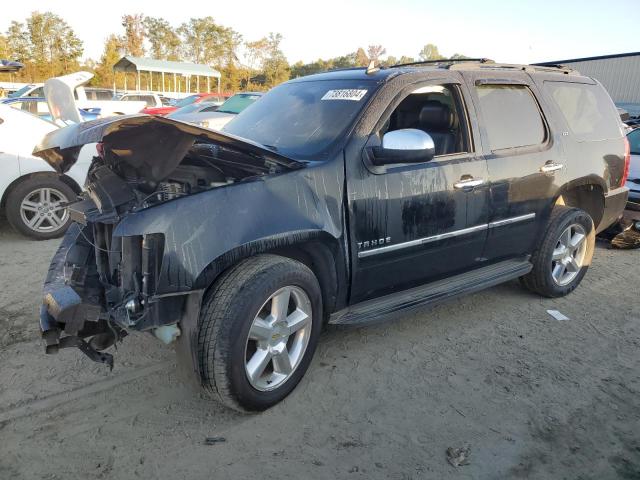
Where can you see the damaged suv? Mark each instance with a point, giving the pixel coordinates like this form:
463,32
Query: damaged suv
337,198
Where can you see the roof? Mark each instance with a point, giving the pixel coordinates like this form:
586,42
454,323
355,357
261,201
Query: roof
585,59
137,64
383,73
356,73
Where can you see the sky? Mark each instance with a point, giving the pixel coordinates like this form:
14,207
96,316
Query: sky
516,31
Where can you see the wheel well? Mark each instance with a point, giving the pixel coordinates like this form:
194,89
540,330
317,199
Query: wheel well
321,261
589,197
318,255
64,178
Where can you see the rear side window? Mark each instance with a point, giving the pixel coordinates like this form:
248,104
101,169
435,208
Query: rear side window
511,116
587,109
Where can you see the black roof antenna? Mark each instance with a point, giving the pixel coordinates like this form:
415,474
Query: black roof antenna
371,69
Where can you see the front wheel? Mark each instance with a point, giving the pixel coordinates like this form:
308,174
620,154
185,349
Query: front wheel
564,254
258,329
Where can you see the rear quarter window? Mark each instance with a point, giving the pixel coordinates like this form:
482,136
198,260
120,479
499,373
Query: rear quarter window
511,116
587,110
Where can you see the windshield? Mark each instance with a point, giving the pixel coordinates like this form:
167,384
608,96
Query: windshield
194,107
186,101
21,92
238,103
303,120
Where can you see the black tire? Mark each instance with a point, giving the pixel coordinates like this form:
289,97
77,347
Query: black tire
226,316
21,191
541,280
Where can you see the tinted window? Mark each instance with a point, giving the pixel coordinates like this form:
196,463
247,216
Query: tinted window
150,101
511,116
187,101
238,103
303,120
587,109
634,141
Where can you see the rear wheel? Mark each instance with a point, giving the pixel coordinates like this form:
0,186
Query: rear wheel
258,329
564,254
36,207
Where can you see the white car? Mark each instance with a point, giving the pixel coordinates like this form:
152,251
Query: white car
33,195
214,117
71,87
149,99
92,98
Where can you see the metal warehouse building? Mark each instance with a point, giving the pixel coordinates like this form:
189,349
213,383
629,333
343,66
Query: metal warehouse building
620,74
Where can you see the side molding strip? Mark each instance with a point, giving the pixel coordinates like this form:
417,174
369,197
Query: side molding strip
507,221
444,236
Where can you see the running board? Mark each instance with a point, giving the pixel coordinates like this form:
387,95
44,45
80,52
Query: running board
431,294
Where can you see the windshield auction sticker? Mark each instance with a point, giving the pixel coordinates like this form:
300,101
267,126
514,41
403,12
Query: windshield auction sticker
355,95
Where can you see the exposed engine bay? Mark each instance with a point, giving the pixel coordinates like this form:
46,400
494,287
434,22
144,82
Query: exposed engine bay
103,282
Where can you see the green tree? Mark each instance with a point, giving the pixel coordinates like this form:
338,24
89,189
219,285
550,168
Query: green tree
18,42
5,53
458,56
430,52
54,47
133,40
275,66
104,75
256,53
206,42
374,52
361,58
163,38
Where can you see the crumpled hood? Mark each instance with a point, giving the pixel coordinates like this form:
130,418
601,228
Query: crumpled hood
152,145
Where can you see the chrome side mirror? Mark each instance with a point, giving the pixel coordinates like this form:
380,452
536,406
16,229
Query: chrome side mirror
408,145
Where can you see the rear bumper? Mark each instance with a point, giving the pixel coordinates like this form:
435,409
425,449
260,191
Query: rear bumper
614,204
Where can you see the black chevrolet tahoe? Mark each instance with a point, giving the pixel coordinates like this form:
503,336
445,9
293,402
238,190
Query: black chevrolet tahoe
337,198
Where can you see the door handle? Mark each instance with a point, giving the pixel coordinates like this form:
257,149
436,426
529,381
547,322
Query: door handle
468,182
551,166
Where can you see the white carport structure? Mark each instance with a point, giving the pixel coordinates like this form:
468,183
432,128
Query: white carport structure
175,70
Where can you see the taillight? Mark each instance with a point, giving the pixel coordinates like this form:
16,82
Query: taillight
627,161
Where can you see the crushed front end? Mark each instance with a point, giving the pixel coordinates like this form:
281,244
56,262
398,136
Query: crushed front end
140,240
99,286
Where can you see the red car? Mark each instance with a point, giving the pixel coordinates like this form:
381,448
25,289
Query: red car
196,98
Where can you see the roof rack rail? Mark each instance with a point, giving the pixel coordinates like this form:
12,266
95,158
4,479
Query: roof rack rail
516,66
443,61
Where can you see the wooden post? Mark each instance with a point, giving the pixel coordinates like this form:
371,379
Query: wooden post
162,82
208,84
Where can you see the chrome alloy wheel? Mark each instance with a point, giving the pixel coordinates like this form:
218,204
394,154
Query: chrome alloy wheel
278,338
42,210
568,256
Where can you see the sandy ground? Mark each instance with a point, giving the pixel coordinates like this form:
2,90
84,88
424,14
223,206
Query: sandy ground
530,396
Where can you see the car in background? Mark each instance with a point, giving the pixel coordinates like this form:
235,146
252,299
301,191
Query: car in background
33,196
211,98
152,100
97,93
38,106
30,90
633,179
214,117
